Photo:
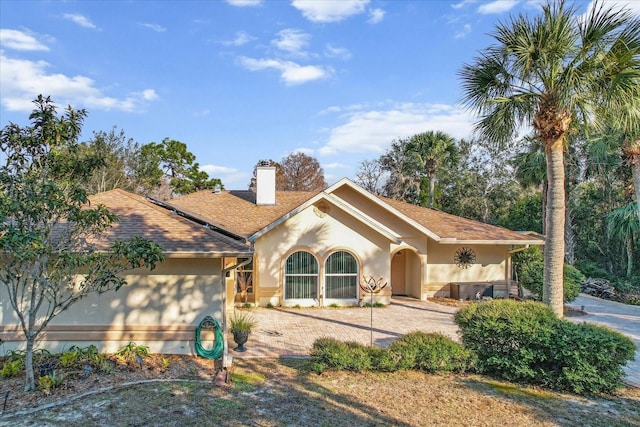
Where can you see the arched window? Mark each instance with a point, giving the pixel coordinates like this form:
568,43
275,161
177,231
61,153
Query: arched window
341,276
301,276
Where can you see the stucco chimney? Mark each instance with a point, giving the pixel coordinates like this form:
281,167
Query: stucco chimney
265,185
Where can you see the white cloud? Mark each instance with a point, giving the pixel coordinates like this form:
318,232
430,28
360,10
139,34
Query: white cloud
241,39
244,3
148,95
290,72
337,52
18,40
22,80
376,16
632,5
372,131
292,41
81,20
154,27
462,4
329,10
497,6
463,32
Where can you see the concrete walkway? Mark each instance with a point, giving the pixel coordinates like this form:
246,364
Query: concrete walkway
621,317
291,332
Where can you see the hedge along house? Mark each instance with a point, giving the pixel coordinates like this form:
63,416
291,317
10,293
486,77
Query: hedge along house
314,248
160,308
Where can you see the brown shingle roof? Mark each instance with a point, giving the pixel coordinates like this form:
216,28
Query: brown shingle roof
139,217
236,211
449,226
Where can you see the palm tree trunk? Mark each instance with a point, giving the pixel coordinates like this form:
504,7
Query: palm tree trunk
553,287
635,170
629,256
432,189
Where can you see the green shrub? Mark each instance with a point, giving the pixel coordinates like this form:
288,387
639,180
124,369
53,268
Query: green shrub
588,358
510,338
129,353
11,368
529,267
418,350
526,342
70,357
329,353
429,352
591,269
573,279
383,360
49,382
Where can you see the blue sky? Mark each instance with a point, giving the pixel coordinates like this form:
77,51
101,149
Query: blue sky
244,80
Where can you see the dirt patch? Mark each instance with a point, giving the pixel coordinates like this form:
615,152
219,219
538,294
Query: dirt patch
449,301
275,392
77,381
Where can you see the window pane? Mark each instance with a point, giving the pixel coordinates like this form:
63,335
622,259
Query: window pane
341,263
301,287
341,276
301,263
301,276
341,287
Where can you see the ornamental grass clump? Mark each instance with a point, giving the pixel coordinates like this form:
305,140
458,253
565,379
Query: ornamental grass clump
242,322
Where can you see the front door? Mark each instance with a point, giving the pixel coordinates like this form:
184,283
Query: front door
398,273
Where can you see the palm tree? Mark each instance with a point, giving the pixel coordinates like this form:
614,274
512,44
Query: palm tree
555,72
530,169
622,222
631,155
432,150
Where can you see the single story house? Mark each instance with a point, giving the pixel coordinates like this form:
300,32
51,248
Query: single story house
315,248
289,248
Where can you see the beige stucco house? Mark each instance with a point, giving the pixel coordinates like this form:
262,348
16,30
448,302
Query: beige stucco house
292,248
159,308
314,248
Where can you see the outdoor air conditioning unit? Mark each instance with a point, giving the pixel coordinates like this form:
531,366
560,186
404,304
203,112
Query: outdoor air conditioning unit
468,291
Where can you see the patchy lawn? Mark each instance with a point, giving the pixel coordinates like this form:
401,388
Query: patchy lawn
272,392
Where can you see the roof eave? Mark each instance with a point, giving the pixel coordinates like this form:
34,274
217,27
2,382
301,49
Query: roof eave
449,241
216,254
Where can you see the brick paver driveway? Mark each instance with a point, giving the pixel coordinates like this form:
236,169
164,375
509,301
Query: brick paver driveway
291,332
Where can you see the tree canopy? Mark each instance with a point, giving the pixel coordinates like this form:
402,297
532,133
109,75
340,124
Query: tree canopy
556,72
295,172
48,260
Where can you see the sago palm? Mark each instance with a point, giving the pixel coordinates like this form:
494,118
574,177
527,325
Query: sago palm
555,72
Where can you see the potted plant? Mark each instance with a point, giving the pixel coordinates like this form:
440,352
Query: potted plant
241,325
